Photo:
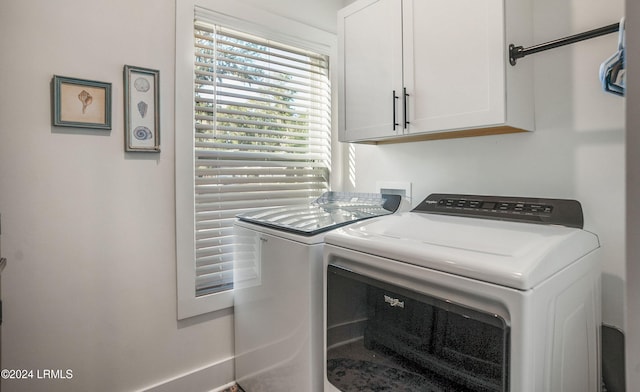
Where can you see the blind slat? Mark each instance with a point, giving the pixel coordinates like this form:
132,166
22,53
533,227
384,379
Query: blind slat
202,23
206,114
248,123
258,180
205,131
227,210
223,104
312,160
259,171
255,97
206,162
255,88
247,188
302,80
269,136
258,147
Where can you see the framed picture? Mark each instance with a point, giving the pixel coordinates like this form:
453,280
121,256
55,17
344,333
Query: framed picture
141,109
81,103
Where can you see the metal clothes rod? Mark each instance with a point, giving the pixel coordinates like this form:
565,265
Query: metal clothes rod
518,52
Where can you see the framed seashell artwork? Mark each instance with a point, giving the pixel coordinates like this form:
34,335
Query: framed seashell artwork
81,103
141,109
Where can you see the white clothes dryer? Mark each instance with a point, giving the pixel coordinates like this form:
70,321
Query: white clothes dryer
464,293
278,288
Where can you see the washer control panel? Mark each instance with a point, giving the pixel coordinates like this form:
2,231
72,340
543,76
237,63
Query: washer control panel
524,209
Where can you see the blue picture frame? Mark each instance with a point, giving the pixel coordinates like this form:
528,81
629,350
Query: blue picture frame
141,109
81,103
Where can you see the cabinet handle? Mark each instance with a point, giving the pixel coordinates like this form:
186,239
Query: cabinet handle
395,124
404,106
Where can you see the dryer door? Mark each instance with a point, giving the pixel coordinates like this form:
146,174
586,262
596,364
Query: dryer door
387,337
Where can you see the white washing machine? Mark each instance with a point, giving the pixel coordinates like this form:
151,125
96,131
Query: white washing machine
464,293
278,288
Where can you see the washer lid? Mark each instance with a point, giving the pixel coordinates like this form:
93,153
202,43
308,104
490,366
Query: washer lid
331,210
512,254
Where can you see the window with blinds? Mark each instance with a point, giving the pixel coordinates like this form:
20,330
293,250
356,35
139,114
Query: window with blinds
262,137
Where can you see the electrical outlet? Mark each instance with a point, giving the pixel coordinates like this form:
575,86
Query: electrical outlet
394,188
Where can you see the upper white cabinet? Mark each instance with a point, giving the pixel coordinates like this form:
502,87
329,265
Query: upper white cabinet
424,69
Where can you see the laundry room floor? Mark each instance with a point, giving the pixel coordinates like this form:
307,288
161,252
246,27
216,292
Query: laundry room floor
234,388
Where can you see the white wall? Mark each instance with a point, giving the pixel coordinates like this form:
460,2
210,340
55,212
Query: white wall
88,230
632,326
576,152
320,14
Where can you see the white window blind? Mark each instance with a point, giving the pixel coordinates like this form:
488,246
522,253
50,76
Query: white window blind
262,137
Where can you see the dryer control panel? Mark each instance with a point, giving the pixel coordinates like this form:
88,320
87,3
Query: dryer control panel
523,209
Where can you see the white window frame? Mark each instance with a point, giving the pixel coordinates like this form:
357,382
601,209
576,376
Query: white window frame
234,15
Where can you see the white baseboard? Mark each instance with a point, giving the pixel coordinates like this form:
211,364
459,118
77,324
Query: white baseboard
214,377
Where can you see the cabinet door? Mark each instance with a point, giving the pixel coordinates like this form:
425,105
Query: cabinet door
454,64
370,69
